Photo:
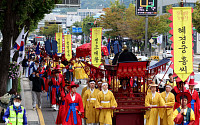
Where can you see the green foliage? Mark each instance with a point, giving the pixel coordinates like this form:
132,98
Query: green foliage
124,22
114,16
86,26
19,85
50,29
28,12
196,16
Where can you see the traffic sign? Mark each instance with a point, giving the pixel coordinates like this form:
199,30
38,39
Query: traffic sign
76,30
146,7
151,40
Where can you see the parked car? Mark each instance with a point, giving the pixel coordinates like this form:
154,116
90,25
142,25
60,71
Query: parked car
167,54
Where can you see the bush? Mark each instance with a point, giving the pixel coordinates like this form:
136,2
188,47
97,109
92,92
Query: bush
19,85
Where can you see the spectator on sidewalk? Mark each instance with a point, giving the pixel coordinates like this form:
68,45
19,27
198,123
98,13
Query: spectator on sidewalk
15,114
25,66
37,84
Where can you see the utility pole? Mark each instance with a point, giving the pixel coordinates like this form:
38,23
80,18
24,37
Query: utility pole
146,36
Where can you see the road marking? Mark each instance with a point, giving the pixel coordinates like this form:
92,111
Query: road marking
40,116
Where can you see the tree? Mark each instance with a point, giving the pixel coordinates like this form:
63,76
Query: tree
113,17
17,14
87,26
49,30
196,16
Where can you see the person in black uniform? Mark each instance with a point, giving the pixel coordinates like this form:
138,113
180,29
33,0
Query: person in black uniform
123,56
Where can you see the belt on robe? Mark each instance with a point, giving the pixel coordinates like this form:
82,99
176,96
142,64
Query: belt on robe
72,107
91,99
185,123
192,104
57,87
63,102
105,101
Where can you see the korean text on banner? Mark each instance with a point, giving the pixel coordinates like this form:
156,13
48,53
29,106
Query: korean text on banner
182,34
59,42
96,46
68,46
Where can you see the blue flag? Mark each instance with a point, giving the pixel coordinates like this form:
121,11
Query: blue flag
37,51
108,45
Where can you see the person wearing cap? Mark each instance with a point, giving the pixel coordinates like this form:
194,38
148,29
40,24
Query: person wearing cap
15,114
105,99
169,99
56,83
177,89
62,110
184,115
37,85
153,99
74,107
89,101
194,104
99,85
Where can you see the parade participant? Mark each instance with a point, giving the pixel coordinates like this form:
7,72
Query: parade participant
169,99
15,114
194,104
41,70
56,82
79,72
34,66
153,99
38,83
89,101
85,88
124,87
123,56
171,80
184,115
62,108
177,89
74,107
99,85
105,99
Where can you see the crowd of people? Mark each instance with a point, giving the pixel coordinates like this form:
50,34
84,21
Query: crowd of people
60,78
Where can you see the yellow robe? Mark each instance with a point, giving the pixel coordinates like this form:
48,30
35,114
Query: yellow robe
79,72
152,114
192,116
168,112
89,101
172,84
106,101
146,87
83,91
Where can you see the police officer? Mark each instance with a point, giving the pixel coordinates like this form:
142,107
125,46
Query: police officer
15,114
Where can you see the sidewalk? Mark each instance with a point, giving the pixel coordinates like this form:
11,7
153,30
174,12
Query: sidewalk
32,116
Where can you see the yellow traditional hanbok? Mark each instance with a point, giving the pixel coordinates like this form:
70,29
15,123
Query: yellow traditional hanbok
106,101
79,72
152,114
192,116
168,112
89,101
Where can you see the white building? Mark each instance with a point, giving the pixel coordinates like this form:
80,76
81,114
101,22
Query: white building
88,12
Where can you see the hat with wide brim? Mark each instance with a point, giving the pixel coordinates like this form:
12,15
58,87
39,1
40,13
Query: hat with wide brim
153,84
189,97
192,82
73,85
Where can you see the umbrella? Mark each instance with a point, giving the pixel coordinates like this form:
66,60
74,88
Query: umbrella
85,50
